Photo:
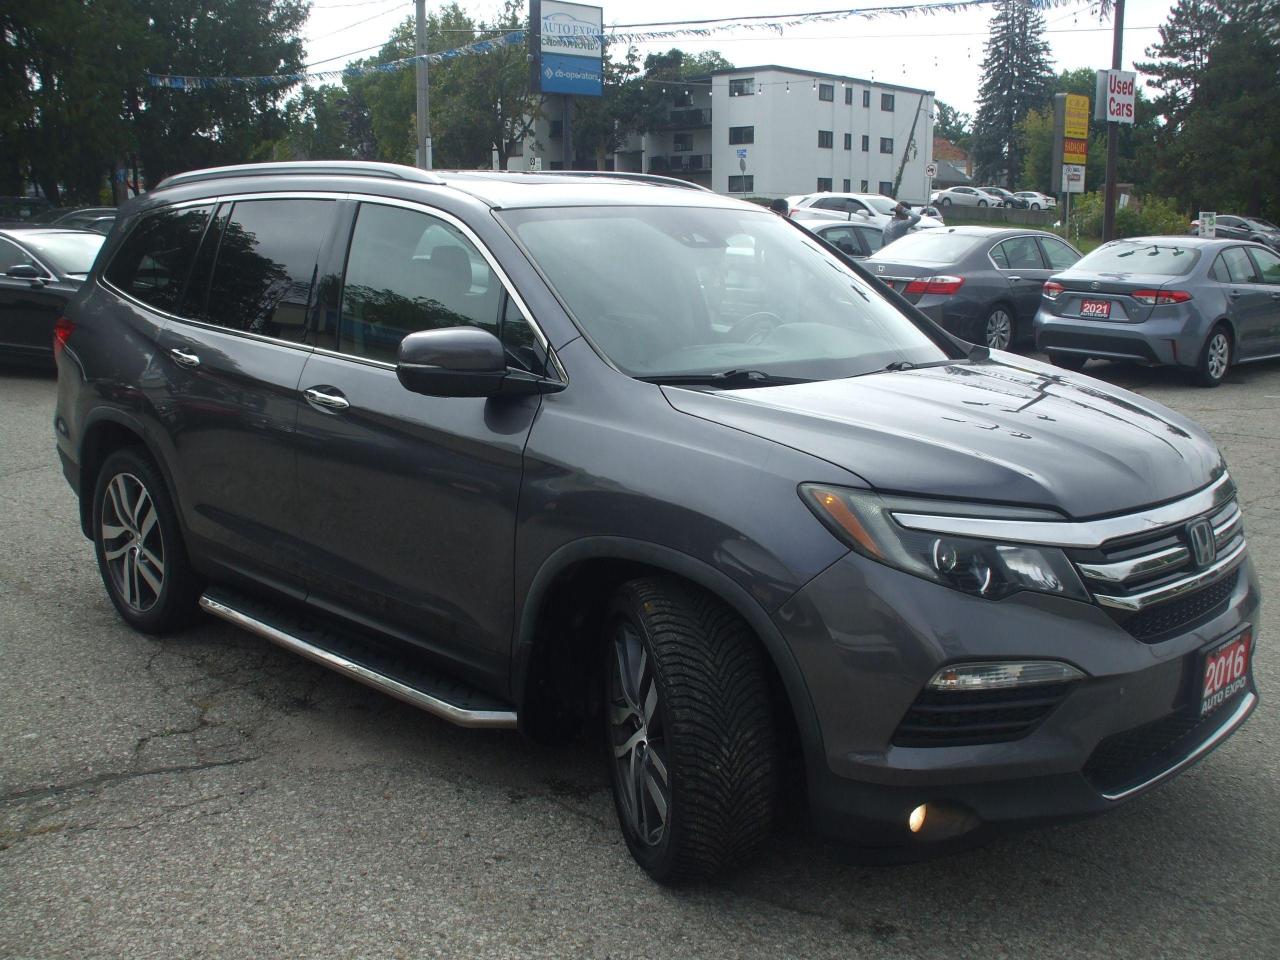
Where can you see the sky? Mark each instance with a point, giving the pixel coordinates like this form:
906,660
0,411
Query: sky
940,52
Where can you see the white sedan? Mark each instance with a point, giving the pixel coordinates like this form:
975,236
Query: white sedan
1036,200
966,197
872,208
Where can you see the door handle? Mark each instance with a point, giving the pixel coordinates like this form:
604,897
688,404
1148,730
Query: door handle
331,402
185,357
1235,294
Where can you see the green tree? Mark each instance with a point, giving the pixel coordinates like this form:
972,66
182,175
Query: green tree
1016,77
953,125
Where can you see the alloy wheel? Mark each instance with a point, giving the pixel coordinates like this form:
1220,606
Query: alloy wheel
638,739
133,548
1219,355
999,330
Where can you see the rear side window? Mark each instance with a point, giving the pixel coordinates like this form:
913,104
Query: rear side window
1019,253
153,262
1234,266
872,237
266,266
11,255
1059,255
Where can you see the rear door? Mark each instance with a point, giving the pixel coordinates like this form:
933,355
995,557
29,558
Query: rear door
845,237
409,501
1248,301
1268,273
230,370
1022,266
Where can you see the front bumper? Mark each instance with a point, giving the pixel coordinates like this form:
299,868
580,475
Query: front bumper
1173,339
868,638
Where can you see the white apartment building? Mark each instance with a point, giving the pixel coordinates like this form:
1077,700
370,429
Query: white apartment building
772,131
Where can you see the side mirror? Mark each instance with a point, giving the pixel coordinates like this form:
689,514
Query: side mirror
463,362
25,271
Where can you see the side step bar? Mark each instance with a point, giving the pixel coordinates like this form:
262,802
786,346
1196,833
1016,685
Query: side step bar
465,707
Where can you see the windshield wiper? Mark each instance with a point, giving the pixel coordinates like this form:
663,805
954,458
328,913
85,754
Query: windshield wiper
728,378
908,365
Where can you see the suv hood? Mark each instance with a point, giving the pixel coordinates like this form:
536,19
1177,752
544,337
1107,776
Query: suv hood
1007,430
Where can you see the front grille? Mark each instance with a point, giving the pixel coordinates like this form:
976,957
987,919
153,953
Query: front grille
1128,577
953,718
1125,760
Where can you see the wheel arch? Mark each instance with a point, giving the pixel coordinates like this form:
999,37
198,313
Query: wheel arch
549,632
106,431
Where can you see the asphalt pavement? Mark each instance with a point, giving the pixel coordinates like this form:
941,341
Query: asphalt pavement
208,795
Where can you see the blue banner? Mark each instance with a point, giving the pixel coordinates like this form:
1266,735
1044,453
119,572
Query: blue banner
582,76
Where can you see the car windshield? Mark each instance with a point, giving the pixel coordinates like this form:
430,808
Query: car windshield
683,291
48,216
1126,256
935,246
71,253
880,204
1263,224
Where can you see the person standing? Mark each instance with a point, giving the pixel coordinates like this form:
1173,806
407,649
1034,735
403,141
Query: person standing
903,220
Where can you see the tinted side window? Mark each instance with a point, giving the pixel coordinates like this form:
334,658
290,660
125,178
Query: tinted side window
843,237
1268,265
11,255
266,266
1238,266
409,271
830,203
1059,255
872,237
152,263
1019,253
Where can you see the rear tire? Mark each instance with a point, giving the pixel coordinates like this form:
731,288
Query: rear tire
138,542
999,329
1035,206
1215,357
692,745
1068,361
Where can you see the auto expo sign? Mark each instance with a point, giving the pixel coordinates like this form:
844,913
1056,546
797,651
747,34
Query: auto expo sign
1117,90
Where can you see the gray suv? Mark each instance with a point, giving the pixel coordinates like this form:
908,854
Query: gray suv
581,453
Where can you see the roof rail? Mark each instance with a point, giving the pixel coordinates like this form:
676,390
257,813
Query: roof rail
314,168
622,175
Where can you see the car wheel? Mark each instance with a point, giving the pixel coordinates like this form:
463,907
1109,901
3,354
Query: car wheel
138,542
692,744
945,202
1068,361
1035,206
1215,357
997,329
982,203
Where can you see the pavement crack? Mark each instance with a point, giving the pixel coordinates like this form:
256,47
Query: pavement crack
110,779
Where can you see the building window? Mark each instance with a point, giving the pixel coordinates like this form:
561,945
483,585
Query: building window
886,102
684,100
826,91
848,185
557,129
864,187
824,184
742,134
682,142
886,144
848,95
886,187
742,87
866,143
866,98
848,141
742,184
825,139
517,148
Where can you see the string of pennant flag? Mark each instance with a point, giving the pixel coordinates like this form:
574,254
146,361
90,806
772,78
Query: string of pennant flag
771,24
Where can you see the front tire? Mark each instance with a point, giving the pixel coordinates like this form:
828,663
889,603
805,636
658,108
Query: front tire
1215,357
692,742
138,542
945,202
982,203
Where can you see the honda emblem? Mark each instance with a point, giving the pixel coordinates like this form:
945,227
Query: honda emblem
1204,546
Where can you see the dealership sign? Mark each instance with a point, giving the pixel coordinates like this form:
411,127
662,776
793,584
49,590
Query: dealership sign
1072,178
567,48
1117,91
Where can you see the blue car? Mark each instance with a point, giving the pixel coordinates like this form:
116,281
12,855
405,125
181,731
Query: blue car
1203,304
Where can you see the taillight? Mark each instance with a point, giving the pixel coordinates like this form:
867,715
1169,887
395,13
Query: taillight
942,285
62,328
1052,289
1153,297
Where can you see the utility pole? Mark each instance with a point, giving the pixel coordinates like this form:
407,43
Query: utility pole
1113,132
424,93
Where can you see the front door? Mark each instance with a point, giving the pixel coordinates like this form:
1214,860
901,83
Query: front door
1248,303
1268,265
409,501
28,308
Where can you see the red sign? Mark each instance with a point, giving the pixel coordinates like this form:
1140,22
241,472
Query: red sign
1075,151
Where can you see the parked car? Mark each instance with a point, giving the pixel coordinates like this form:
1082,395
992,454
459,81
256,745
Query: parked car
40,270
965,197
1253,229
17,209
853,238
667,472
981,284
1198,303
97,219
872,207
1037,201
1007,197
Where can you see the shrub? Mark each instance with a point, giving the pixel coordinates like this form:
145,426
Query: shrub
1144,216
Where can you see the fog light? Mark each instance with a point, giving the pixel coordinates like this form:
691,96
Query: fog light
1000,676
916,819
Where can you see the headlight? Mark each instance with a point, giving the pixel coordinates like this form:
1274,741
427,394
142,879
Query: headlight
985,568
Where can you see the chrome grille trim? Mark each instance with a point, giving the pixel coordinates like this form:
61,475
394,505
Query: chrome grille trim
1089,533
1134,602
1122,571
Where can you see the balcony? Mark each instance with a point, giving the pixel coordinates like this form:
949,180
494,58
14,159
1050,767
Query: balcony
681,163
686,119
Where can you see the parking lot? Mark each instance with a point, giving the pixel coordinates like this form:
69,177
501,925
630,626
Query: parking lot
210,795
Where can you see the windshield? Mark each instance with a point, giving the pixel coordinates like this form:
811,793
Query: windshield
1263,224
931,247
1125,256
668,291
880,204
48,216
71,253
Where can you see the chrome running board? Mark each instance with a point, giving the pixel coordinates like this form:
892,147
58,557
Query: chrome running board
466,708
